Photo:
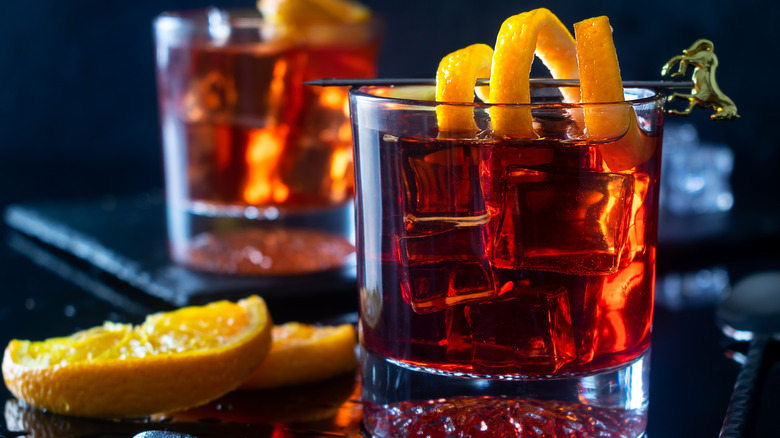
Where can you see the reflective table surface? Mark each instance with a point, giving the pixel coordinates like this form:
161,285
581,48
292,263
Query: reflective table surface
49,292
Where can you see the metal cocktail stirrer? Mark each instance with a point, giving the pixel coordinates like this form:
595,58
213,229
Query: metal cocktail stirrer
703,89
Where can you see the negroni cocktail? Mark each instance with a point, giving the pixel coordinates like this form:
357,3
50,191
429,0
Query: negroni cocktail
515,257
259,166
507,248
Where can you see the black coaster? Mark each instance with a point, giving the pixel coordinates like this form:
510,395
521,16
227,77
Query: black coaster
126,238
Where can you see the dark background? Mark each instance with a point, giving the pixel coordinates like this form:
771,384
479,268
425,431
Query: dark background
78,119
78,91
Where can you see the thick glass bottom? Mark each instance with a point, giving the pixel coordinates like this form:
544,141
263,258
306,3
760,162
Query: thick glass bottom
262,241
399,402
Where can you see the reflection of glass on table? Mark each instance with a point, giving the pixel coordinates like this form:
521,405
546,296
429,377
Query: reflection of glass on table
504,282
258,166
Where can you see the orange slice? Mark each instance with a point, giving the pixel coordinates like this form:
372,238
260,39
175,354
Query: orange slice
302,353
313,12
455,81
521,36
172,361
600,82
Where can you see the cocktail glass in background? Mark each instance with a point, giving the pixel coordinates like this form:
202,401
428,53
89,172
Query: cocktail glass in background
506,285
258,167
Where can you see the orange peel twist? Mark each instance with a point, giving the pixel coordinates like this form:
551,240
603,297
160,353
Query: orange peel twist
600,82
455,79
538,32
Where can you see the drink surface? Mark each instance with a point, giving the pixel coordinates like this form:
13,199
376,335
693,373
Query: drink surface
511,258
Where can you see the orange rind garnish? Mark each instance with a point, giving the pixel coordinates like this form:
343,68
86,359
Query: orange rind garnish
538,32
173,361
318,22
591,58
600,83
600,79
303,353
455,81
313,12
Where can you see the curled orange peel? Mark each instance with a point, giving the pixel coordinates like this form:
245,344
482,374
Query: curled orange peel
592,58
600,79
538,32
600,83
455,80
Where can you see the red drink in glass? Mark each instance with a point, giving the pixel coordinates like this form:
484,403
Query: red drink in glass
536,261
490,267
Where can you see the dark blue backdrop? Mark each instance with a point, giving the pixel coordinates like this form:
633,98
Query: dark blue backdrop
78,113
78,96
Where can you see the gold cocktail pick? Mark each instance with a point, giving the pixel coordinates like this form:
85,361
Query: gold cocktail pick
705,91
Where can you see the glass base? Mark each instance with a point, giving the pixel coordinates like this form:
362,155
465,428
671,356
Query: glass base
247,240
399,401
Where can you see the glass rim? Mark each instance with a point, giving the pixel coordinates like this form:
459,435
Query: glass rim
362,92
241,18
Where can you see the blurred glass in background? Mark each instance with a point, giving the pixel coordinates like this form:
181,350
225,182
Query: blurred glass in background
696,174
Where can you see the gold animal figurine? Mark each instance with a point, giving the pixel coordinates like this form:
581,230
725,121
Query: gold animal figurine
705,92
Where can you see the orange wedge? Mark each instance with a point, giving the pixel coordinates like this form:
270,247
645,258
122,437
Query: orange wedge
302,353
455,81
172,361
521,36
600,82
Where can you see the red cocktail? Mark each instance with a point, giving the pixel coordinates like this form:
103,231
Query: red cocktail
258,166
490,266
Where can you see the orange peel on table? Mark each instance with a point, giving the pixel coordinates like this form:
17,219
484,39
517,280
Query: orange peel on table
303,353
172,361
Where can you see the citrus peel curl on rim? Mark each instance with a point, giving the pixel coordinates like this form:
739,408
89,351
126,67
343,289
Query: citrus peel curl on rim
521,37
455,79
607,117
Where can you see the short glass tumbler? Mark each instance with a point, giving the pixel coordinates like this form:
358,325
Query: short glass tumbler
258,166
506,284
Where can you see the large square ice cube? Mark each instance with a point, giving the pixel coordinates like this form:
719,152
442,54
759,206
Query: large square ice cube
569,222
442,181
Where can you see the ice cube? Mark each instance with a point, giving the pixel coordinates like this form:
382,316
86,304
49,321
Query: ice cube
444,243
586,314
443,181
525,329
570,222
209,96
443,264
